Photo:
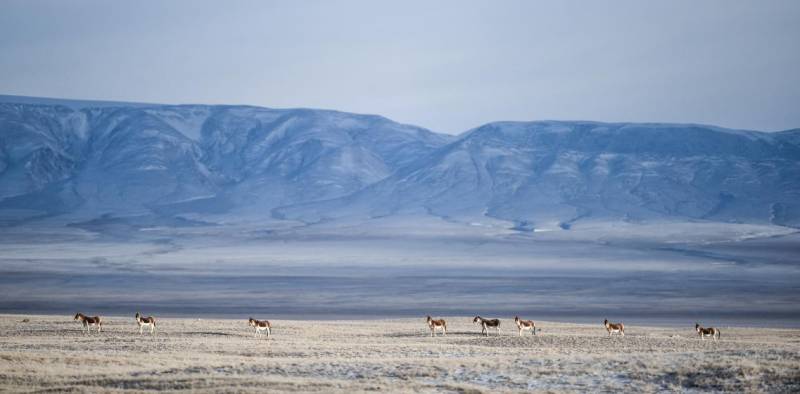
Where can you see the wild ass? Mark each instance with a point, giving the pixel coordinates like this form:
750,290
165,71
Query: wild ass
706,332
260,325
614,328
87,322
487,323
434,324
148,321
524,325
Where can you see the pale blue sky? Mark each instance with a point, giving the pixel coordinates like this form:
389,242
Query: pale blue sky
448,66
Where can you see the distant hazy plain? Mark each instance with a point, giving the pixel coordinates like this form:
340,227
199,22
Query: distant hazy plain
742,275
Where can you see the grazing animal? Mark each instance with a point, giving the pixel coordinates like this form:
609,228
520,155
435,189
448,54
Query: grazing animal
148,321
486,324
524,325
260,325
434,324
614,327
706,332
87,322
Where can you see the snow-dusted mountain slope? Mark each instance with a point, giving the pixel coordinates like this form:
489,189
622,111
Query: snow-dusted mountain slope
87,159
120,160
550,174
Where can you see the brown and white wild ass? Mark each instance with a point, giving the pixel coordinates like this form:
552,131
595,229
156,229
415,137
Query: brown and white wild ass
148,321
260,325
524,325
434,324
486,324
614,328
87,321
706,332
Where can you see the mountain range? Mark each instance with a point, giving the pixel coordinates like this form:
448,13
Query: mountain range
86,160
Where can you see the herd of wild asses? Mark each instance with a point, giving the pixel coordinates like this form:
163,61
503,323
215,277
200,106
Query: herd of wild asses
89,322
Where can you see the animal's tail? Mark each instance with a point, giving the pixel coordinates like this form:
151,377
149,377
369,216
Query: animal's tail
719,334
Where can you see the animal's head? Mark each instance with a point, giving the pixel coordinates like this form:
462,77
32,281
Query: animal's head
605,322
475,320
516,318
697,326
429,318
77,316
251,322
138,315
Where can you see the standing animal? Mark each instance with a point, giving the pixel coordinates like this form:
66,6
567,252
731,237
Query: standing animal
87,322
614,328
707,332
434,324
261,325
148,321
486,324
524,325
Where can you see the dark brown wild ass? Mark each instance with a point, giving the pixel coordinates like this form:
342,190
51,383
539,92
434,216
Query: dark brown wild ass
486,324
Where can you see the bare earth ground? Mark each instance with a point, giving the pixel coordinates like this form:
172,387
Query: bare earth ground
49,353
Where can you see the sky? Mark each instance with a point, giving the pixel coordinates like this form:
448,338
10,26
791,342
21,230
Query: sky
445,65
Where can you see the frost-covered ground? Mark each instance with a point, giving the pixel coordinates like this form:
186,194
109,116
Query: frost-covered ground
49,353
666,273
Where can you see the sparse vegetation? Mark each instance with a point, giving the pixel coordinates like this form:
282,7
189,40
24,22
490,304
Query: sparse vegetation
51,354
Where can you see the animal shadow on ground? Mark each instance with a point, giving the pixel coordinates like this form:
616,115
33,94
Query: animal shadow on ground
216,333
427,333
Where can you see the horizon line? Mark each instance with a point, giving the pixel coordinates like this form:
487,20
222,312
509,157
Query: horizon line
99,103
